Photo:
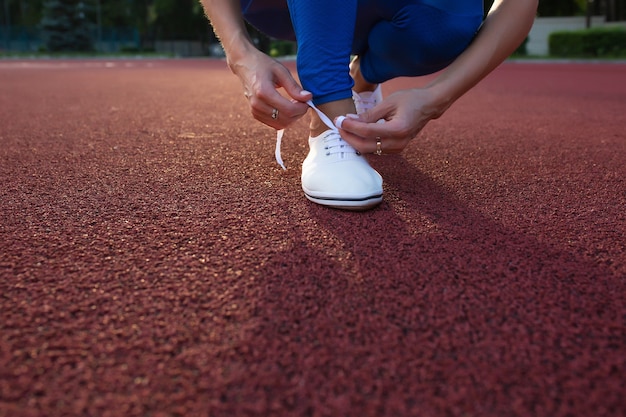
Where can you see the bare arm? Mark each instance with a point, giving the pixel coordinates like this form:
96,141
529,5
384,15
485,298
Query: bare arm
260,75
227,21
408,111
504,29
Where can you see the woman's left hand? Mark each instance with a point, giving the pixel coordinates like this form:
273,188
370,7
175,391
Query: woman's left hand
405,113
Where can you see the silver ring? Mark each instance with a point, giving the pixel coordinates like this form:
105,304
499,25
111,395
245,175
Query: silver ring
275,114
379,146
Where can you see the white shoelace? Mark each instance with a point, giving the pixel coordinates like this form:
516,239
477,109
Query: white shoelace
322,116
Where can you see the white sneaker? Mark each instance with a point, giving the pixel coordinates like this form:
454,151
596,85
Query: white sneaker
367,99
334,174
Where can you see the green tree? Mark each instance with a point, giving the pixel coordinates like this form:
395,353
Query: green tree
179,19
561,8
141,10
67,25
26,13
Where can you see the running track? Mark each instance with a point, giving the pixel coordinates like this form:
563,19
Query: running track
156,261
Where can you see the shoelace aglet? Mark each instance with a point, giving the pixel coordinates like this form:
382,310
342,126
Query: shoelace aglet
279,139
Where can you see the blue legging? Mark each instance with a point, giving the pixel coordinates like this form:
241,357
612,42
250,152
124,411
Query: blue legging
393,38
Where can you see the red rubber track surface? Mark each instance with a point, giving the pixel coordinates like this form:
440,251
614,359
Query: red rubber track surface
156,261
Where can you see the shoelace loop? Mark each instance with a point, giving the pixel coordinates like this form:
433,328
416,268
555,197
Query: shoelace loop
281,132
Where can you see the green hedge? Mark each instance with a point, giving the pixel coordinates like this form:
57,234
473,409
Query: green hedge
522,50
282,48
589,43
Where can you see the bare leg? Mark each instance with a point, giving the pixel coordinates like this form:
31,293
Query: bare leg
341,107
360,83
332,110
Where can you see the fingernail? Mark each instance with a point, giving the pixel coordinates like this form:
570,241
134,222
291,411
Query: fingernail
339,121
352,116
304,93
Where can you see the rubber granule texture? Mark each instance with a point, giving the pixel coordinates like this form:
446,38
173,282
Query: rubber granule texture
156,261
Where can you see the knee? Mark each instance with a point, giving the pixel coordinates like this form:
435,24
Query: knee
424,39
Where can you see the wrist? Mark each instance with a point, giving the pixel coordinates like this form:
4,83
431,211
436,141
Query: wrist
439,101
236,48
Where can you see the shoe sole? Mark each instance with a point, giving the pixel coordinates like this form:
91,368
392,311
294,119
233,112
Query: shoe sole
356,204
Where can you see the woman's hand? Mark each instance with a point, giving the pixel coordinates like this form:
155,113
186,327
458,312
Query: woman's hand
261,77
405,114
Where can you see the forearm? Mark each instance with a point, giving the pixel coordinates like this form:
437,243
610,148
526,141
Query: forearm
505,27
227,21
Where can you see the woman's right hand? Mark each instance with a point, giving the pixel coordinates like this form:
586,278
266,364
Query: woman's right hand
261,77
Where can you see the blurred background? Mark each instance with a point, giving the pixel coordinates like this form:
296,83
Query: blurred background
172,27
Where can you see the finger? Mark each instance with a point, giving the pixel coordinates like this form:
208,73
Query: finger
373,138
363,145
358,128
285,80
360,143
377,145
273,116
264,101
383,110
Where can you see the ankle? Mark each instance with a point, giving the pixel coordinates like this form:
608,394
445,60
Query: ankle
360,83
316,127
364,86
316,132
332,110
